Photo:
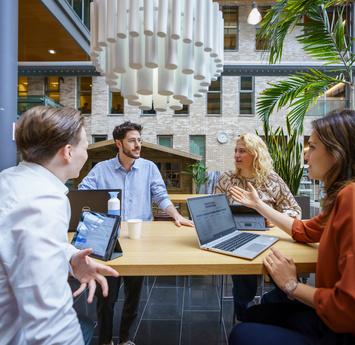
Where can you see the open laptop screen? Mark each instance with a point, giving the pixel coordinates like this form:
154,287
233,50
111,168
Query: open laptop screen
88,200
212,217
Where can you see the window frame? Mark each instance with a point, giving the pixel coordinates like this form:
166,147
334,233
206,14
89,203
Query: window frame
236,28
212,92
252,92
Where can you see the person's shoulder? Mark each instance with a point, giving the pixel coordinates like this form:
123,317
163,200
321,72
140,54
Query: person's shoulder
105,163
145,163
227,174
348,191
274,177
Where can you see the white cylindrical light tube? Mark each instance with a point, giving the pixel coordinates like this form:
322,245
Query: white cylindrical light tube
208,27
146,102
207,80
151,51
122,18
135,52
129,85
174,104
133,25
120,62
200,63
145,81
181,88
188,23
162,25
220,44
187,57
160,102
148,17
102,28
171,52
215,16
93,31
200,23
196,87
111,21
176,19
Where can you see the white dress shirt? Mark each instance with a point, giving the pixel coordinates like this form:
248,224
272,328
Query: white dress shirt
36,304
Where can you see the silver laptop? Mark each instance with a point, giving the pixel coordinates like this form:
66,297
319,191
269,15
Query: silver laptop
217,232
246,218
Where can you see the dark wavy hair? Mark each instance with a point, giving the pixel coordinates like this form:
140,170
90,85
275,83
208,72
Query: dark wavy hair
119,132
337,132
41,131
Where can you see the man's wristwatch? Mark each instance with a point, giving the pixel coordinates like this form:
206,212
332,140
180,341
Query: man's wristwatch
291,286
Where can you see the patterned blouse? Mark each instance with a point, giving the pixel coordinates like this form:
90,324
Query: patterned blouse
273,191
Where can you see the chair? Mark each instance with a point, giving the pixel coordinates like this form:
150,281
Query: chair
213,177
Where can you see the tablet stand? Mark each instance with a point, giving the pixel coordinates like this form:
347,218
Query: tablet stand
117,251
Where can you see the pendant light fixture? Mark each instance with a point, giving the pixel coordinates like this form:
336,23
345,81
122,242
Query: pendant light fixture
254,16
157,52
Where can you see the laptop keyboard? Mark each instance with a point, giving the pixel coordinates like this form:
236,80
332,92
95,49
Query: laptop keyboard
235,242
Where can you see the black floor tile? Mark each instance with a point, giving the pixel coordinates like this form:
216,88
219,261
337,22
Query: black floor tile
201,295
164,304
154,332
201,328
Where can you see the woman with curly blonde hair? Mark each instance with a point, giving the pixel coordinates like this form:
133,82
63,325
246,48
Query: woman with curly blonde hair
253,165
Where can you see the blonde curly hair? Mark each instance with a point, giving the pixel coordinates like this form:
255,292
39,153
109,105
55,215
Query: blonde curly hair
262,162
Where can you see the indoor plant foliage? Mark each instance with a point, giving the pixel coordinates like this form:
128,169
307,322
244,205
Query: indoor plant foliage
285,152
323,39
198,173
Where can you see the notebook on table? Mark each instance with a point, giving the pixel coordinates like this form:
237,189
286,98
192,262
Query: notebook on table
217,231
246,218
88,200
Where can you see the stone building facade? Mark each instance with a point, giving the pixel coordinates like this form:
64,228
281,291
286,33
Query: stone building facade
197,122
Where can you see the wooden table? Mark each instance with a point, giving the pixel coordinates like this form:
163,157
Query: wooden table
182,198
164,249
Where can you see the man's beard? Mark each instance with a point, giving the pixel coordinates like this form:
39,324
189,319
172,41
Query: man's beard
128,153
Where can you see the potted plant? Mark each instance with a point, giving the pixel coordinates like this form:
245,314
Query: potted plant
198,173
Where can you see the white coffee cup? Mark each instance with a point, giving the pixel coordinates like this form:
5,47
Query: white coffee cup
134,228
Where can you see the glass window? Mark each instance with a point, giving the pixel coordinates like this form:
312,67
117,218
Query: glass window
116,103
52,88
84,94
214,98
197,146
97,138
82,9
246,96
22,86
165,140
261,45
183,111
230,16
170,172
149,112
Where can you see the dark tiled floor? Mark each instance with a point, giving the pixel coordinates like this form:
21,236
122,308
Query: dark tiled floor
176,310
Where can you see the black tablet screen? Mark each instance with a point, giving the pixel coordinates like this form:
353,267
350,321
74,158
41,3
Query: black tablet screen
95,231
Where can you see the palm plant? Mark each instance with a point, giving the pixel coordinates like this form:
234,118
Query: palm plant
322,39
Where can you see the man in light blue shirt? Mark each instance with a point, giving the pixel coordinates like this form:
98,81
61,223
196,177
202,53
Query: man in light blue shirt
141,183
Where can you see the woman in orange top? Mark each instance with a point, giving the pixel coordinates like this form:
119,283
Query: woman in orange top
326,313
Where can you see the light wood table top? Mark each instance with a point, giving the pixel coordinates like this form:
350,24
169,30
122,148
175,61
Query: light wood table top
181,198
164,249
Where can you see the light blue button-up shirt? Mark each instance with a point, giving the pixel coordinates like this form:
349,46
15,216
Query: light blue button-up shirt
142,184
